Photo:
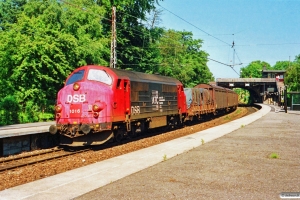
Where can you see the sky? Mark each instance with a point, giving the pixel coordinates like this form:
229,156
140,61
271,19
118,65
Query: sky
265,30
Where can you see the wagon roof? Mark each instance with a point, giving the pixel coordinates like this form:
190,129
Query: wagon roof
204,85
208,86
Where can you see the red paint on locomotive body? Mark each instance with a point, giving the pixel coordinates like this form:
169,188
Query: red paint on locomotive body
98,103
85,103
77,106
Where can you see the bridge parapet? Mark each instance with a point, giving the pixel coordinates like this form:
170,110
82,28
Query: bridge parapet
246,80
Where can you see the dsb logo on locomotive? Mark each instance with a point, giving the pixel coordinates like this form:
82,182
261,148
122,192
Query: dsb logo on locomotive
76,98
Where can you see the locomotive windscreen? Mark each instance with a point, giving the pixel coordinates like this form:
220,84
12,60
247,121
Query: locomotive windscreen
77,76
99,75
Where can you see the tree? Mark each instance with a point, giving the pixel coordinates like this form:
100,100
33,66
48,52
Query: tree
46,43
292,76
254,69
9,11
243,95
9,109
182,58
281,65
134,39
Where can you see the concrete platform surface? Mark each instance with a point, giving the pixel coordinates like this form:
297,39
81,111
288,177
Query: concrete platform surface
74,183
24,129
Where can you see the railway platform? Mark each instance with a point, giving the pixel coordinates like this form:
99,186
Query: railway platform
199,166
25,137
24,129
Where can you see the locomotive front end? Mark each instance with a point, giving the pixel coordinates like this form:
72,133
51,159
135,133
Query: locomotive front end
83,111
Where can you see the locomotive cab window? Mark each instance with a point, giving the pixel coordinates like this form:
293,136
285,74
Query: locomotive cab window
99,75
77,76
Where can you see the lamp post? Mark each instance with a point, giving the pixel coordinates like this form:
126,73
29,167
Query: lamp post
285,98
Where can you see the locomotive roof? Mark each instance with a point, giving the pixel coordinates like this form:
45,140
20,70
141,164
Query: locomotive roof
139,76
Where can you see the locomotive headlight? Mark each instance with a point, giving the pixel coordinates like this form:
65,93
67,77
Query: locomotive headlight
98,107
58,108
76,86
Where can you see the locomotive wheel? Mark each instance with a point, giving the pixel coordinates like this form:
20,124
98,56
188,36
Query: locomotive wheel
132,133
118,136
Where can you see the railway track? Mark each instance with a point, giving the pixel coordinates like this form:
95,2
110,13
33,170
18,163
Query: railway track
251,110
19,161
16,175
31,159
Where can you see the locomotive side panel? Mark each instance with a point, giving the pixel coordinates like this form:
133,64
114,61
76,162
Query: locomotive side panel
153,99
121,102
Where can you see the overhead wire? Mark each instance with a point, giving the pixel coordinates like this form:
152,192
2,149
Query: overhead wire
227,44
194,25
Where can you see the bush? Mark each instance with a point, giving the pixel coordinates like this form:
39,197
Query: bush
10,109
32,111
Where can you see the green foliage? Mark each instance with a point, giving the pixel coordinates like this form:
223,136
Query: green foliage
9,11
274,155
9,109
182,58
135,41
281,65
254,69
292,76
227,117
31,111
165,157
45,43
243,95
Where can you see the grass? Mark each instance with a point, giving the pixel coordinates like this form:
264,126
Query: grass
202,142
46,116
227,118
165,157
274,155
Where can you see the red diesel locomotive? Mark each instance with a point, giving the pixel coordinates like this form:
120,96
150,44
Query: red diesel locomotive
100,103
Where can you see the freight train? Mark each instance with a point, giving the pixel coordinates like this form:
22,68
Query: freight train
98,104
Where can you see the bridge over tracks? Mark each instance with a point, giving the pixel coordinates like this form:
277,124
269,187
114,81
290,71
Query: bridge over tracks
260,88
